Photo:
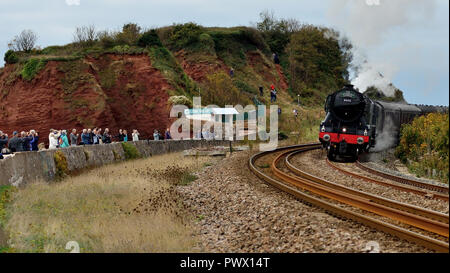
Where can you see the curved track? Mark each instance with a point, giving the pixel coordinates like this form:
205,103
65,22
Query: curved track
318,192
418,184
407,188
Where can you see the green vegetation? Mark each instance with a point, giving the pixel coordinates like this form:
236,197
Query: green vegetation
32,68
183,36
317,65
130,150
424,146
5,199
74,75
163,60
187,178
219,90
11,57
61,165
314,60
149,38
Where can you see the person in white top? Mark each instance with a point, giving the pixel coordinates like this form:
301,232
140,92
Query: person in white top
135,135
53,139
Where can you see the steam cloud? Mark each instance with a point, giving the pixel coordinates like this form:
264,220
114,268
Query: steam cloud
73,2
367,23
387,139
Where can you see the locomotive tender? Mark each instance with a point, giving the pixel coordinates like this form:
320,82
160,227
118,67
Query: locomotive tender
353,121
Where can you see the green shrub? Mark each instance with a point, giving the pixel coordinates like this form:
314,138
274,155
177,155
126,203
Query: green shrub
424,146
130,151
184,35
149,38
129,35
11,57
32,68
106,39
218,89
61,165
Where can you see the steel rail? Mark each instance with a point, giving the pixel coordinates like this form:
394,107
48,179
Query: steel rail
414,190
441,217
418,184
402,233
336,192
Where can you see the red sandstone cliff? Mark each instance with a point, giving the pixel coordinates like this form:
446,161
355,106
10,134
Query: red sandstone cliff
108,91
114,91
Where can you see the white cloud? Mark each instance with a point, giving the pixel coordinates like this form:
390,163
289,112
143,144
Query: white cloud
73,2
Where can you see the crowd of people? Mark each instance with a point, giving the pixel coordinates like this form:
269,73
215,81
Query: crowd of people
29,141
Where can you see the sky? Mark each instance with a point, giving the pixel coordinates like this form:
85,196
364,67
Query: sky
405,40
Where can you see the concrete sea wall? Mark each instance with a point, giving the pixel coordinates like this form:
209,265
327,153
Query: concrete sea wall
24,168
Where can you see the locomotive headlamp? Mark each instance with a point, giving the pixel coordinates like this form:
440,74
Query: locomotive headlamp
365,132
344,130
323,129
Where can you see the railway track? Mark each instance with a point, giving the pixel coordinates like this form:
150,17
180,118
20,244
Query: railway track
322,193
436,188
423,189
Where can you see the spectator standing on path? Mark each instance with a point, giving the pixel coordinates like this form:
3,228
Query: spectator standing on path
34,140
15,143
135,135
279,111
276,59
261,91
53,139
295,113
64,142
167,134
120,135
106,137
125,135
99,136
89,137
155,135
231,72
273,95
74,137
85,137
94,137
25,136
3,144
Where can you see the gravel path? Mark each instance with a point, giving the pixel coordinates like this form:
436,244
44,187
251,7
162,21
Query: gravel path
237,212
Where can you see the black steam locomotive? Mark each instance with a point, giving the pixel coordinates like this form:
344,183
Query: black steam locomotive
353,121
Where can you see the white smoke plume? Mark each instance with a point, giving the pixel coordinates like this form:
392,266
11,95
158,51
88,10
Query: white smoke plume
73,2
367,23
387,138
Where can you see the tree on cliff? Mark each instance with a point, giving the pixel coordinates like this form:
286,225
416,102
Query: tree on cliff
25,41
276,32
85,35
317,60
